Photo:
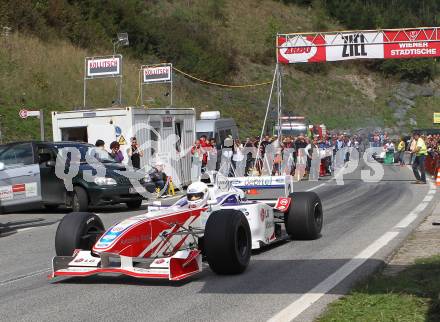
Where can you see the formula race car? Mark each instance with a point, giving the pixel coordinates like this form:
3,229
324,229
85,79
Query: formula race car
213,222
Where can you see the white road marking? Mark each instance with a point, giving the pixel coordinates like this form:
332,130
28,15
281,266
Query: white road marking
420,207
405,222
305,301
297,307
318,186
428,198
21,277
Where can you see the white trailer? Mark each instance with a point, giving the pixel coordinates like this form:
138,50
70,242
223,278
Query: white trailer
166,135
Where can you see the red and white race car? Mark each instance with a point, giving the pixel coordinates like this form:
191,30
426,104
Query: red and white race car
213,222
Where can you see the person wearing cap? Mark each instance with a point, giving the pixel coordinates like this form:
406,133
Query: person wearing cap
420,152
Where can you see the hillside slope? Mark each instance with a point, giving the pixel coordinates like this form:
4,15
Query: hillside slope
47,74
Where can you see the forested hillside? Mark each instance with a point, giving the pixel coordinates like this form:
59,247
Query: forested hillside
227,41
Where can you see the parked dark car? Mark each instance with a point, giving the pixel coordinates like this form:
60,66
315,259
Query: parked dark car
28,178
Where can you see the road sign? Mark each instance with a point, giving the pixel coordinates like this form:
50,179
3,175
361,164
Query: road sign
121,140
23,113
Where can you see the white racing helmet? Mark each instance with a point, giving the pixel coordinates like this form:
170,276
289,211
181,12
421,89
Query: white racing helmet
197,194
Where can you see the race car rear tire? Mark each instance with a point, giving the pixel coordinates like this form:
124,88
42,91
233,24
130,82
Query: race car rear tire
77,230
304,219
227,241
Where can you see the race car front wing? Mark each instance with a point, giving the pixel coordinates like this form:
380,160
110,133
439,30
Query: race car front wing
181,265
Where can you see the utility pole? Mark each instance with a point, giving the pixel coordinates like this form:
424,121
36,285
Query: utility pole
1,133
42,124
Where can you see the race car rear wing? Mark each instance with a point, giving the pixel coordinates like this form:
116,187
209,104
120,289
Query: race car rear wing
264,182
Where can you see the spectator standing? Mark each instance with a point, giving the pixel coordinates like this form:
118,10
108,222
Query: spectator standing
312,152
249,146
204,144
116,153
135,153
418,166
237,157
212,155
412,147
401,151
196,164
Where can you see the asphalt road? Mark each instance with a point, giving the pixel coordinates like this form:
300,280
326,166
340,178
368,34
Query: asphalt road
363,224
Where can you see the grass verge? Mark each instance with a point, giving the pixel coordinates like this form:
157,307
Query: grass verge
412,295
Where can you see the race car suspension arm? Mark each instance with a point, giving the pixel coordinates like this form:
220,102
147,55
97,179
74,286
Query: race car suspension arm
182,231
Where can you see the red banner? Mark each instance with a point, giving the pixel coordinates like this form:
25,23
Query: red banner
413,43
347,45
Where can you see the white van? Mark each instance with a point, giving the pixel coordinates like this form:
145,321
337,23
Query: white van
120,124
212,126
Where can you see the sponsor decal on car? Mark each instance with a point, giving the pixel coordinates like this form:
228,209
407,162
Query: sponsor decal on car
283,204
6,193
17,188
135,239
31,189
110,236
123,225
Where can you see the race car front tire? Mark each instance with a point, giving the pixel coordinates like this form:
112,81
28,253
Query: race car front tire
77,230
227,241
304,219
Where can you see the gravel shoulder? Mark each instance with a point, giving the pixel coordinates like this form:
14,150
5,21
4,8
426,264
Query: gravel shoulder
422,243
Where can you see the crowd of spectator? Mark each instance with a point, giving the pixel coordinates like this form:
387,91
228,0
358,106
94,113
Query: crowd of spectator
252,151
301,151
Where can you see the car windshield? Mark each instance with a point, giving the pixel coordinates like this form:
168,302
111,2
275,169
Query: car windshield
16,154
85,150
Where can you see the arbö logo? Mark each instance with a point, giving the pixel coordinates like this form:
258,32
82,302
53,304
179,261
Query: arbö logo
298,50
